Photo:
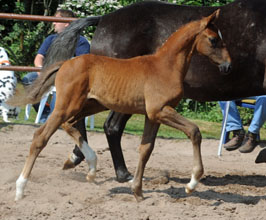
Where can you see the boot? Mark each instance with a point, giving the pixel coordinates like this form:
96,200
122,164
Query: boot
236,141
250,143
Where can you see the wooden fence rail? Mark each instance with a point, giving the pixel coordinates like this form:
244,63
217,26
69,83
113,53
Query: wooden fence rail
11,16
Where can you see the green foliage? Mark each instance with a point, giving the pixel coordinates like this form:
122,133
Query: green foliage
84,8
209,111
201,2
22,39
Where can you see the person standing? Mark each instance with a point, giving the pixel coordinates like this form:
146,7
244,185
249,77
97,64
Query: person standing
83,47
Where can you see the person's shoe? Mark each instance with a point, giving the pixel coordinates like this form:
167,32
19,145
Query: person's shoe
236,141
250,143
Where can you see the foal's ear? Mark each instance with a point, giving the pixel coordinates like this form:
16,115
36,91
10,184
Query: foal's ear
211,18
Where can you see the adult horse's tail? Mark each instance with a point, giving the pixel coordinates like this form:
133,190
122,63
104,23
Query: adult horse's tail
63,47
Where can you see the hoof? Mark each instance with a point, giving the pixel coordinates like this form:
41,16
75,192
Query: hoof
18,197
191,186
261,158
189,190
139,197
137,191
91,177
68,165
123,177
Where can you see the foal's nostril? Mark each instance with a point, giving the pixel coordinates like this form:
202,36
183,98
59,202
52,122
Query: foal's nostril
225,68
229,68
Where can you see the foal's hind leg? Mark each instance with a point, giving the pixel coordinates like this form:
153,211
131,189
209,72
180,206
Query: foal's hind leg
40,139
89,154
145,150
77,156
90,107
113,128
170,117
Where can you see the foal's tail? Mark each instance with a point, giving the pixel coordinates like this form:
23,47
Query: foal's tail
33,93
63,47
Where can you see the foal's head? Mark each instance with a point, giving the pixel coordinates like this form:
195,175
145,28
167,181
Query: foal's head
210,43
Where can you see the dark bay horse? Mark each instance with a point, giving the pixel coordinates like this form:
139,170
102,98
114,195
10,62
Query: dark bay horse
141,28
90,84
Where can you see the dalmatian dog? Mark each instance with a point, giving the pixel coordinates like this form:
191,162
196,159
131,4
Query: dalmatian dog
8,82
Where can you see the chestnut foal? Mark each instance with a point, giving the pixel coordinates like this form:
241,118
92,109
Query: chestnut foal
151,85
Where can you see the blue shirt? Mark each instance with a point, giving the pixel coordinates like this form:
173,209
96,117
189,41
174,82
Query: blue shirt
83,46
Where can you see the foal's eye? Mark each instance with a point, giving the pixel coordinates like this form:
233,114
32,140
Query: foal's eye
213,41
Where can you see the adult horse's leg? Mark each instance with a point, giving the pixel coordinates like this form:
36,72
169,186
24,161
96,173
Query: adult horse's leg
113,128
77,156
145,150
170,117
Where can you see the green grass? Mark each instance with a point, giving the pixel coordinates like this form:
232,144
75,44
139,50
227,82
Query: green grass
136,123
210,130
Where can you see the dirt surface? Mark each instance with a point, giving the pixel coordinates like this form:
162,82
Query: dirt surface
233,186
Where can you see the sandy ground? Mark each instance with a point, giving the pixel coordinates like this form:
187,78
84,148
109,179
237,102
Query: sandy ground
233,187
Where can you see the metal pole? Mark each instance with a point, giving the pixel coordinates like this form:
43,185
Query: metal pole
226,110
12,16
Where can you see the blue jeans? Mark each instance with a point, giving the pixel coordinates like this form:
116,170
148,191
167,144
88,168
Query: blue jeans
29,78
234,121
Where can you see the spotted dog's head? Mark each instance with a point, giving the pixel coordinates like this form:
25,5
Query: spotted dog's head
3,57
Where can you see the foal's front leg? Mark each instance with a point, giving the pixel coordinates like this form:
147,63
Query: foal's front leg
40,139
145,150
170,117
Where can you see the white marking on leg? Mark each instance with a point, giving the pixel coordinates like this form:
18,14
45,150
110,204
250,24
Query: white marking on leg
73,158
132,180
20,186
192,184
90,158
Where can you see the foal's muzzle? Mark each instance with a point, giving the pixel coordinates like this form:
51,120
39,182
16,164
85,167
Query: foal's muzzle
225,68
